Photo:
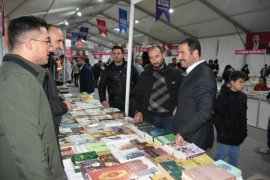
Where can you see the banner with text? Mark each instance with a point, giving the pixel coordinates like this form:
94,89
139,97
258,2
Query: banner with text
261,51
163,6
102,27
122,20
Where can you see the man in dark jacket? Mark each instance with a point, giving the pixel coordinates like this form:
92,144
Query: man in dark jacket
86,77
156,92
193,119
58,106
114,79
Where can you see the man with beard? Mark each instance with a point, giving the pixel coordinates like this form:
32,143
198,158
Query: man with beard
58,106
195,98
156,92
114,79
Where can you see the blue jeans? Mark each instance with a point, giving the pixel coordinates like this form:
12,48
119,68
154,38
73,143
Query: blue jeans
231,151
166,123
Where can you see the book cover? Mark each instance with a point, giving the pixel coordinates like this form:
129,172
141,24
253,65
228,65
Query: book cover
154,132
127,155
163,158
172,169
187,151
143,168
141,145
66,152
165,139
207,172
118,172
78,158
153,153
109,160
226,166
161,176
99,147
194,162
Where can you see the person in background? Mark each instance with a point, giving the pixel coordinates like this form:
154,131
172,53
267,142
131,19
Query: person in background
173,63
265,71
86,77
97,71
66,70
29,148
114,80
193,119
138,64
267,149
75,72
215,67
58,105
156,92
245,69
230,118
226,75
211,64
262,85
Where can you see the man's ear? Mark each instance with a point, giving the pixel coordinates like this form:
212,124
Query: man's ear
195,53
28,44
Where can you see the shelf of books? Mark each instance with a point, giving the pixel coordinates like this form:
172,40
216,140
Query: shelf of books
102,144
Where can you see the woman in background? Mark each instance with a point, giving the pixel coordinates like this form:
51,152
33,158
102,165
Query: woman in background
262,85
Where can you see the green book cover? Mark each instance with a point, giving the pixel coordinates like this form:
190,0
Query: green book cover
171,168
165,139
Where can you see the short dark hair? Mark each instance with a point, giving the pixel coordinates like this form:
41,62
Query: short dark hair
18,26
193,44
161,49
118,47
235,75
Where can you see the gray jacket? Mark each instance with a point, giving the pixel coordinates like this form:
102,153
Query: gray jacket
28,145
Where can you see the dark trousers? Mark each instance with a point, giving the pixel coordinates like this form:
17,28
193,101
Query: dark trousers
76,76
166,123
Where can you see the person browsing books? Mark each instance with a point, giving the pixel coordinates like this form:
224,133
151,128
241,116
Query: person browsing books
193,119
29,148
156,92
58,105
230,118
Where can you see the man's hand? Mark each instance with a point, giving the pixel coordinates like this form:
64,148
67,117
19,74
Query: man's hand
174,111
105,104
179,140
68,103
138,117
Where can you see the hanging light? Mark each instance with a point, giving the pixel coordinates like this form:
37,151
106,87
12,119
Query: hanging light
66,22
79,13
137,21
171,10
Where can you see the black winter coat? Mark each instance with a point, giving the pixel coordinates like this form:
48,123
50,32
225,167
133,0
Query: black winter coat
143,92
114,80
230,117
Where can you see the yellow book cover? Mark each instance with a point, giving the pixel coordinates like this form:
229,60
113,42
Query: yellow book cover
161,176
194,162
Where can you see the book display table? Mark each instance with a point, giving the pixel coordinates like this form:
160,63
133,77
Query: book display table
102,144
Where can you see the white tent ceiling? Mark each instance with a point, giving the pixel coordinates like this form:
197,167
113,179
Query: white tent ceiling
197,18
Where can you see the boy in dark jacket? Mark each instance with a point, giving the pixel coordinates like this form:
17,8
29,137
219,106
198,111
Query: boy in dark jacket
230,118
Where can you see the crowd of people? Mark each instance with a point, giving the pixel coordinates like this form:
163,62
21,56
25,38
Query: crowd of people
179,100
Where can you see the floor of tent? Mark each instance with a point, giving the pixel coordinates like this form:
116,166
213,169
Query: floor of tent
254,166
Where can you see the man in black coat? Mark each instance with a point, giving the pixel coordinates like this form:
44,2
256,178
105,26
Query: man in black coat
114,79
86,77
58,105
193,119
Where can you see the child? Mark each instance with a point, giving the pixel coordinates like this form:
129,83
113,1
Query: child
230,118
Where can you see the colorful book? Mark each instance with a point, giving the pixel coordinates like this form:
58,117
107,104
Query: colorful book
141,145
153,153
167,139
207,172
161,176
194,162
66,152
118,172
172,169
78,158
186,151
227,167
99,147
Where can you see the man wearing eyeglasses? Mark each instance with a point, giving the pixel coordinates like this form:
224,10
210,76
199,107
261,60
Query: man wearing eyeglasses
58,105
28,149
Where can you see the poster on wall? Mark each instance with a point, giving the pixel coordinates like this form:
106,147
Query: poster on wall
258,40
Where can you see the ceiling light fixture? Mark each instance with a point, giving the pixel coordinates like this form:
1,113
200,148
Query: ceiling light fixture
137,21
171,10
77,9
66,22
79,13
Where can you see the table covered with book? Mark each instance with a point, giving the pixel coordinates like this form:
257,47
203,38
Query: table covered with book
102,144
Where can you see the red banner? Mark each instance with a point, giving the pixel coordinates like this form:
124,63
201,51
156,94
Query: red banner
260,51
102,27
